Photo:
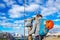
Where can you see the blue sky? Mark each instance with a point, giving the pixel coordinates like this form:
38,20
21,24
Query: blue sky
12,13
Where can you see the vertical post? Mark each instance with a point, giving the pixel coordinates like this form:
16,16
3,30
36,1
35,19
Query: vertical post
24,18
29,36
29,28
24,31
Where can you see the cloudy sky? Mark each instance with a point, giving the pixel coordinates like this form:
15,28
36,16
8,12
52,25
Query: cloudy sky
12,13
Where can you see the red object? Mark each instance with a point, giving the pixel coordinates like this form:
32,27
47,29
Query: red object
49,24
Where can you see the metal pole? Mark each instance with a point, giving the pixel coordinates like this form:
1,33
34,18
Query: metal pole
29,36
24,18
29,29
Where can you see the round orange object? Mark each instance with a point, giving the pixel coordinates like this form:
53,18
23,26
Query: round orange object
49,24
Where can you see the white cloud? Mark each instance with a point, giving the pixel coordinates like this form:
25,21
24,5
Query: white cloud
19,22
16,28
57,4
58,16
1,13
32,7
5,0
9,2
56,26
39,1
50,3
51,7
16,15
18,7
9,24
16,10
34,16
2,5
5,24
48,11
3,17
20,1
56,20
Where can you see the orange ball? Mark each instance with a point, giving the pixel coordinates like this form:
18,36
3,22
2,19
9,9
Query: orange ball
49,24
